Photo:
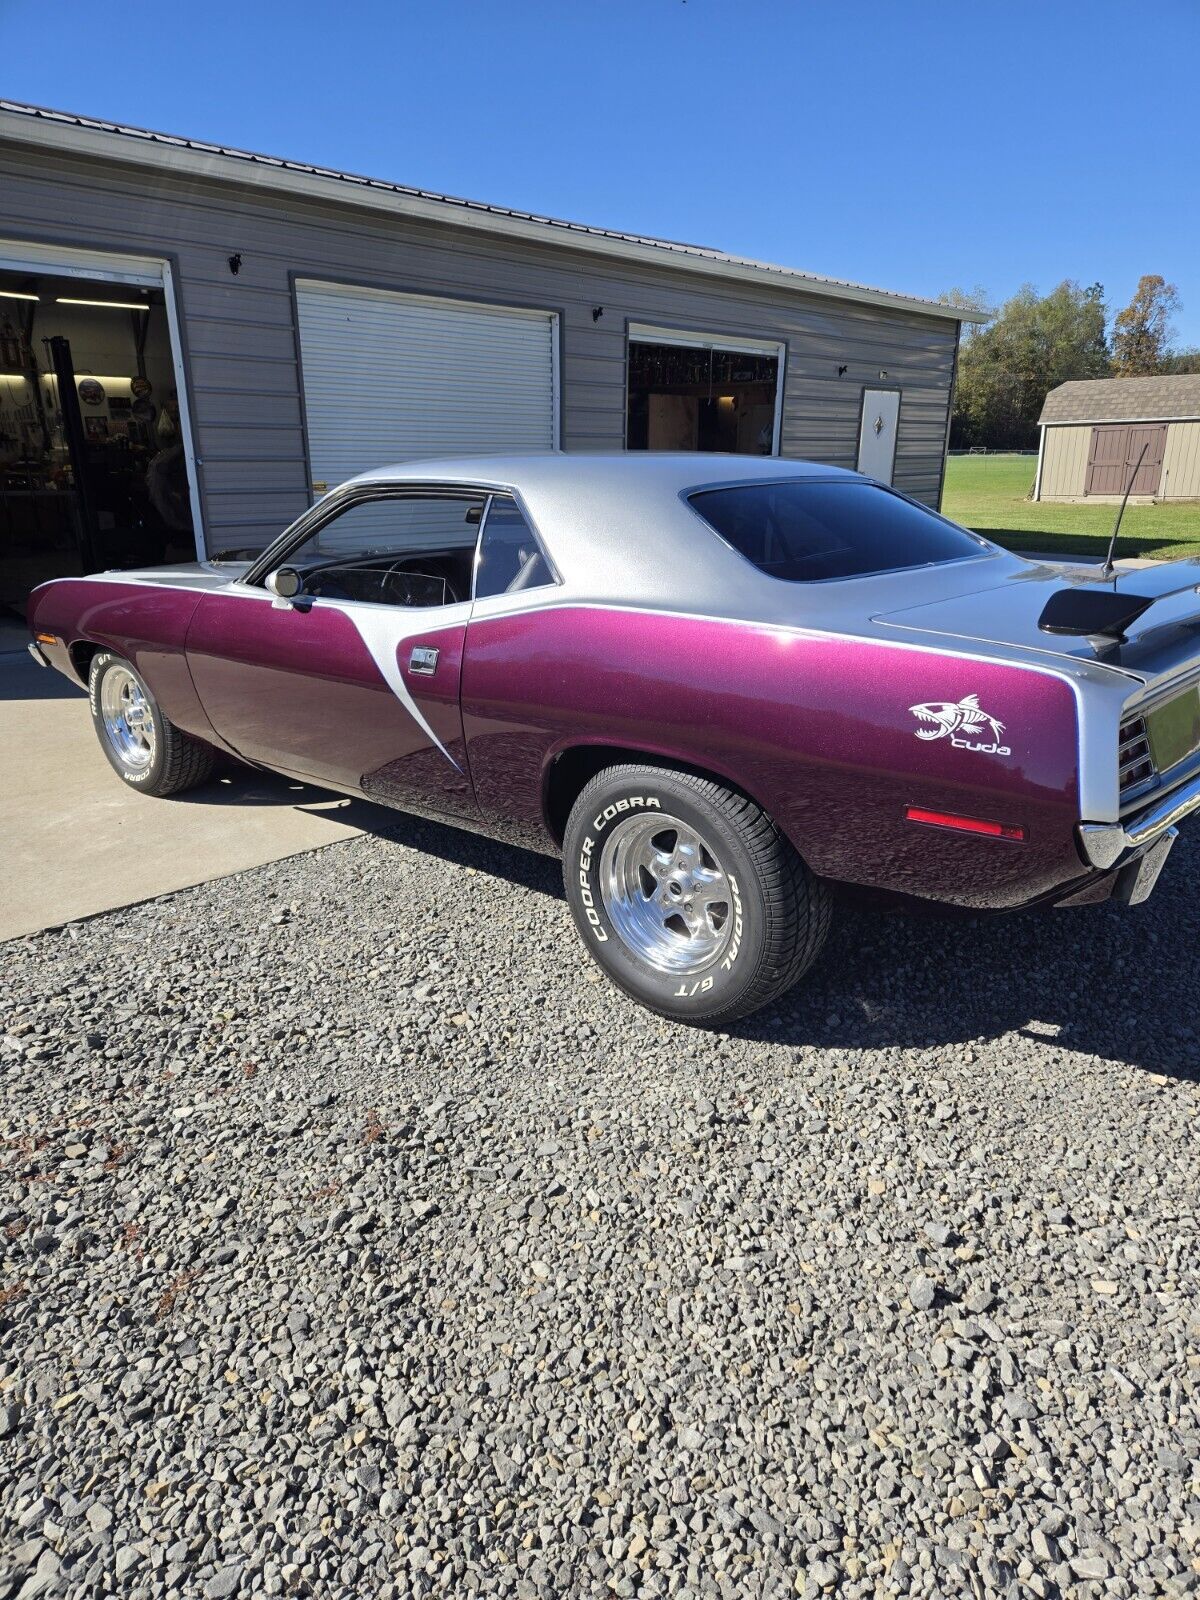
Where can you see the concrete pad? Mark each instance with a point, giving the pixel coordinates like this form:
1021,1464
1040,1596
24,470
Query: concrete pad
74,840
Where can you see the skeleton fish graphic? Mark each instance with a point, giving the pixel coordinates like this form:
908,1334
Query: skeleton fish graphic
949,719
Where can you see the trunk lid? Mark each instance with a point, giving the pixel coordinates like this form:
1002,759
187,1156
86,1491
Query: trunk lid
1007,610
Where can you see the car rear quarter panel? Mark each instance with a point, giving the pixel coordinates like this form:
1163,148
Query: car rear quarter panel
817,729
146,623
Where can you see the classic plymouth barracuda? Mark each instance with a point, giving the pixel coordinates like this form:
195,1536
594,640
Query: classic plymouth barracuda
716,686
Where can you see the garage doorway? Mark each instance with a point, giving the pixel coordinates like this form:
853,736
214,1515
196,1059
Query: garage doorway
95,453
691,391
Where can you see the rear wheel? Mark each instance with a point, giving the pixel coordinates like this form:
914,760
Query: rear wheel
687,894
143,747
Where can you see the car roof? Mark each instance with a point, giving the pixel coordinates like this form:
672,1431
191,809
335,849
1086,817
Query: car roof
619,527
674,470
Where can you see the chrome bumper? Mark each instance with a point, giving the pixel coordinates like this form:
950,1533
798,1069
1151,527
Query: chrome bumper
35,651
1104,843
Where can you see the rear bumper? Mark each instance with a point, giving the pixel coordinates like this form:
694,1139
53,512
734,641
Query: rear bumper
1104,843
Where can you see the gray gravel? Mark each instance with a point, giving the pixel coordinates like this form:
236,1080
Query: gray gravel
359,1241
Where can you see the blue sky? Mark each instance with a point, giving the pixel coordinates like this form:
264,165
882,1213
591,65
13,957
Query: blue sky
914,145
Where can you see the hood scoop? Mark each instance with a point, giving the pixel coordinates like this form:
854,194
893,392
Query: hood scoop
1092,613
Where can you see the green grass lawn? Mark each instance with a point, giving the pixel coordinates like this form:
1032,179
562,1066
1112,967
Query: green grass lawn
988,493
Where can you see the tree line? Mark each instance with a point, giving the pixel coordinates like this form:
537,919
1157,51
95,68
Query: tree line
1007,365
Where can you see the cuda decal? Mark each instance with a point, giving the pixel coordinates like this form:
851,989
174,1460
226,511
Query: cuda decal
961,722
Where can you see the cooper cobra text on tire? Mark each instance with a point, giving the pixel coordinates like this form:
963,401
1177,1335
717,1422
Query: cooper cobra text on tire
687,894
143,747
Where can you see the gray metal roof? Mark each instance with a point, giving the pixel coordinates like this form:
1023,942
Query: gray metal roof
1123,400
122,141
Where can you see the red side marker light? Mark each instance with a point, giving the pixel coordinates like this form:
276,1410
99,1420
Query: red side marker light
947,819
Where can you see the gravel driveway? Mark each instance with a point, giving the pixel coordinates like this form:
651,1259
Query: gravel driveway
359,1241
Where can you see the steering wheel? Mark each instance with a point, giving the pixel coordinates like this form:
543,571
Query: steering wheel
403,570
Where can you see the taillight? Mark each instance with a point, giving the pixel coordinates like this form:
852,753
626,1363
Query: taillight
957,824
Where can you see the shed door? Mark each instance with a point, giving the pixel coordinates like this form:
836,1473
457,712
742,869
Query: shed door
1114,451
877,433
393,377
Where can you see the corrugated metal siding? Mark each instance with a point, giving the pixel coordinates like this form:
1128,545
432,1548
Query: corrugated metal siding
1181,462
1064,464
241,343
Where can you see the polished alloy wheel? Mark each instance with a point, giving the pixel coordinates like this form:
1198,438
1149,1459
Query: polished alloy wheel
666,893
128,722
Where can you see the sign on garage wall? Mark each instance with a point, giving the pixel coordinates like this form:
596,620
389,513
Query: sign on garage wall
395,377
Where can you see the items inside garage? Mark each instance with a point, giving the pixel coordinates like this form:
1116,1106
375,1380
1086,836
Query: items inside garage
693,396
92,469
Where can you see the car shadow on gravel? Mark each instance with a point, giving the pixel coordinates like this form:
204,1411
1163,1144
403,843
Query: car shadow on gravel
1116,983
528,869
1119,984
1103,981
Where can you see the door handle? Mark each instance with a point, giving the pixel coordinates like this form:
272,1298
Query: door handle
423,660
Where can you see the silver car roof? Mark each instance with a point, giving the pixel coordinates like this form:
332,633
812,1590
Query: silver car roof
621,531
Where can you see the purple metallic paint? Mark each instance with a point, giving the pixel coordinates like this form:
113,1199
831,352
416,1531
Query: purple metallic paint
817,730
295,688
146,624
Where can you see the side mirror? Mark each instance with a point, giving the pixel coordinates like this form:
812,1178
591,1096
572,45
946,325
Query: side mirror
285,583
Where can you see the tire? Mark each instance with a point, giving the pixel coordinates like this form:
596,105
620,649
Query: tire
702,919
143,747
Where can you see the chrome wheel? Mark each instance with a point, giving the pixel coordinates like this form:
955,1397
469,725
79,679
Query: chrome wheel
666,893
128,722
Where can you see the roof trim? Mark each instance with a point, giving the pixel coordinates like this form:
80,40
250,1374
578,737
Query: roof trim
89,136
1115,422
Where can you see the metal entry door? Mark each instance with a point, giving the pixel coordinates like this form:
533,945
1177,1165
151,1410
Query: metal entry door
877,433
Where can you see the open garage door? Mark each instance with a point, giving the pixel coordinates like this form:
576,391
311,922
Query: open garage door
395,377
696,391
96,462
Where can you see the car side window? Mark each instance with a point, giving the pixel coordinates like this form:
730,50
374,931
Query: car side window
406,550
511,558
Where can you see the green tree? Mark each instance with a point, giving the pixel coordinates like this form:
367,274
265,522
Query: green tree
1181,361
1007,366
1142,331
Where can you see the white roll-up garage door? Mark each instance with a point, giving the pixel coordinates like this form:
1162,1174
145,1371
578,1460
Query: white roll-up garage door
397,377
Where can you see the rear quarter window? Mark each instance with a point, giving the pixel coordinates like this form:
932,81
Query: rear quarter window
804,531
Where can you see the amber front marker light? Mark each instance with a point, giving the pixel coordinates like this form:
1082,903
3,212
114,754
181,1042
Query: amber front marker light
47,638
947,819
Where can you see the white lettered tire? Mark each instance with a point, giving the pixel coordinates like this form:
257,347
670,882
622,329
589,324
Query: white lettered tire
142,745
687,895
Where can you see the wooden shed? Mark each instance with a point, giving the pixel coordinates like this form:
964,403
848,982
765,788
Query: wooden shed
1093,433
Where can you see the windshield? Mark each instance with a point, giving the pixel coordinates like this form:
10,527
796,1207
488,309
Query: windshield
806,530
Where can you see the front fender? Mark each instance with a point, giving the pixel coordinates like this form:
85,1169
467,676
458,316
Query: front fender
145,623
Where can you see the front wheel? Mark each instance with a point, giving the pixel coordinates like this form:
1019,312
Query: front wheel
687,894
143,747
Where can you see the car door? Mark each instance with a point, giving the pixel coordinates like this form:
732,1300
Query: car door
340,685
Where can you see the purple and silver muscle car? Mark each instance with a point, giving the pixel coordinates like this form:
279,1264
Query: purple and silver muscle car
717,686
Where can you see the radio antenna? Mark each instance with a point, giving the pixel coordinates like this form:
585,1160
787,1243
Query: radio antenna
1107,569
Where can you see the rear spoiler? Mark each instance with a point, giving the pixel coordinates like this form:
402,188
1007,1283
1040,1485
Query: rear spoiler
1085,610
1098,613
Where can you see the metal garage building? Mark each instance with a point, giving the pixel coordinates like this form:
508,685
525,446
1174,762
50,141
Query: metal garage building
1094,432
195,341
